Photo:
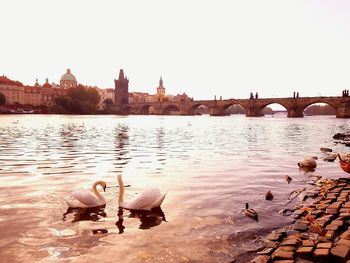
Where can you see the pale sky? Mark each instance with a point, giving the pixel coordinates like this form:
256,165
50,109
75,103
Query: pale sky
204,48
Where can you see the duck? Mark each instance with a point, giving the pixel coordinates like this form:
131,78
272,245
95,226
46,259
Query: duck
249,212
308,162
288,178
269,195
87,198
148,199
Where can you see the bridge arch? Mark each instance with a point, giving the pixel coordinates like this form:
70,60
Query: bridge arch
236,108
168,110
146,109
320,109
266,108
194,108
320,100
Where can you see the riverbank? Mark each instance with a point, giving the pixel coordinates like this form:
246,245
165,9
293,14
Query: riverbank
320,232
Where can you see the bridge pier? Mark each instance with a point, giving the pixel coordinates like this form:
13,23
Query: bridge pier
343,111
295,112
254,111
216,111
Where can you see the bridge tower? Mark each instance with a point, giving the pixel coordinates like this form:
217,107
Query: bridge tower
160,90
121,89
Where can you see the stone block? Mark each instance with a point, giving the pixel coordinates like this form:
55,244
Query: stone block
332,227
335,205
290,242
274,236
331,211
305,252
338,222
327,245
340,252
317,212
298,213
261,259
300,226
281,254
345,235
303,260
343,242
344,215
287,248
308,243
271,244
321,255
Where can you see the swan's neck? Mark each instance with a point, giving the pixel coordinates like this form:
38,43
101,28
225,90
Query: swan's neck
94,190
121,190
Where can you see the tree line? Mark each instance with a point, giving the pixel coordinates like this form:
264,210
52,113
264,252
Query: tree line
79,100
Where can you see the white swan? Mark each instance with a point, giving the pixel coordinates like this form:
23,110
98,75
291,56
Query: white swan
86,198
149,198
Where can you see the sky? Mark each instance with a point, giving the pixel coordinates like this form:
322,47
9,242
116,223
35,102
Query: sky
204,48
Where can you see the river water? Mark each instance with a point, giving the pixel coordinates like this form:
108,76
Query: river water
209,167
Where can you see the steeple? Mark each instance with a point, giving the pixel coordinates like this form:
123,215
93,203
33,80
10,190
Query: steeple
121,74
121,89
36,83
161,82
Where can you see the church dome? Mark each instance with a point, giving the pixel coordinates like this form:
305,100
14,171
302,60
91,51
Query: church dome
68,76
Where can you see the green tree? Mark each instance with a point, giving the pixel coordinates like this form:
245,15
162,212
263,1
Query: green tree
92,96
2,99
79,100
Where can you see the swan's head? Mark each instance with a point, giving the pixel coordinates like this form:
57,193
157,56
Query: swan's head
102,184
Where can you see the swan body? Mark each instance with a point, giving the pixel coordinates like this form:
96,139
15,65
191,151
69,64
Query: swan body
86,198
148,199
249,212
309,162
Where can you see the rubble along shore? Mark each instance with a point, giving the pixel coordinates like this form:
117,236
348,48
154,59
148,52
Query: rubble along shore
320,232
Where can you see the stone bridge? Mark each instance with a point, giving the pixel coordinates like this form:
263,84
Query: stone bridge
253,107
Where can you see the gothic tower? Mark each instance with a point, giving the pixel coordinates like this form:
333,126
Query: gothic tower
160,90
121,89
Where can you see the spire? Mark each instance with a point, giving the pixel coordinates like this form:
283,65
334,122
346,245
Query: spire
47,80
36,83
68,71
121,74
161,82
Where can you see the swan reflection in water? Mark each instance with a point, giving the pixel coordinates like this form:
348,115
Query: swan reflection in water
148,218
85,214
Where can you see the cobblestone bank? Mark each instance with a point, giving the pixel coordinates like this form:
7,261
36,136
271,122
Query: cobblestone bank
320,232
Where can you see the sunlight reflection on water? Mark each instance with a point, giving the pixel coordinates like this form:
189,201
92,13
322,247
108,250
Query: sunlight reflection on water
209,169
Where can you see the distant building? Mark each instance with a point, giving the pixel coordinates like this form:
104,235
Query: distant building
18,94
68,80
105,94
121,89
13,90
160,90
181,97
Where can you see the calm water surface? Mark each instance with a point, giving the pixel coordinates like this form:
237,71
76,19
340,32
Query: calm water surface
209,166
